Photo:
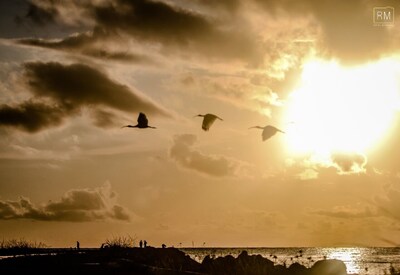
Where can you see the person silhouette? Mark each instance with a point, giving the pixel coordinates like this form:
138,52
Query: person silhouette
78,245
145,243
141,244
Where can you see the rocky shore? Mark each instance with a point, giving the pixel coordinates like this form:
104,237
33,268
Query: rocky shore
157,261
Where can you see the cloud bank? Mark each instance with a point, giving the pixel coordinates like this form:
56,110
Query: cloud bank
31,116
78,205
346,28
347,34
96,43
170,27
60,91
347,212
217,166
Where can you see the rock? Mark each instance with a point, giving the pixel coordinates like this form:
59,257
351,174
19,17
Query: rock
297,269
328,267
242,265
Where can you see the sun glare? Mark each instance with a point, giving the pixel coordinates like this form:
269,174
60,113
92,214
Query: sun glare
350,256
342,109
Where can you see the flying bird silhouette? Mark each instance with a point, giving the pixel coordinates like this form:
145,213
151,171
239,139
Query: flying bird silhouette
208,120
268,131
142,122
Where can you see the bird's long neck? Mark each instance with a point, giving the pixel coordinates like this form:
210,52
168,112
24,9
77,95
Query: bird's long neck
258,127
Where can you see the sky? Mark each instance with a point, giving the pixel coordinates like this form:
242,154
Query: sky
72,73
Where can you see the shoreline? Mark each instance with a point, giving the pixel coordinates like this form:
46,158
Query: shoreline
145,260
153,261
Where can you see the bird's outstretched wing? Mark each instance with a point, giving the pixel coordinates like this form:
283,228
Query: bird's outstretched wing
208,121
269,131
142,120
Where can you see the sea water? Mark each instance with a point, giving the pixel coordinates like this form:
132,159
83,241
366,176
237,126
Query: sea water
358,260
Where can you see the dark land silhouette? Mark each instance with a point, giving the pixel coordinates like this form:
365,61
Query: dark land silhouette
149,260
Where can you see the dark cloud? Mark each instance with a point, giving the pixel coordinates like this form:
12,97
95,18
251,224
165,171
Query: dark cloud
170,27
73,42
39,15
119,213
77,84
97,43
347,30
74,206
152,20
32,116
120,56
61,14
64,90
217,166
173,27
347,33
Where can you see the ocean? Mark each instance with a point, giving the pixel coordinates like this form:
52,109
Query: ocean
358,260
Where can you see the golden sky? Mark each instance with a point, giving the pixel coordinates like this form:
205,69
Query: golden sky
73,72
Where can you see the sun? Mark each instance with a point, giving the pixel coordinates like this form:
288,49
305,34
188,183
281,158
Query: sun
342,109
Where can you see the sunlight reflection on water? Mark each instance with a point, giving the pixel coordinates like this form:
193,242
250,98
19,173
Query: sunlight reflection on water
350,256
